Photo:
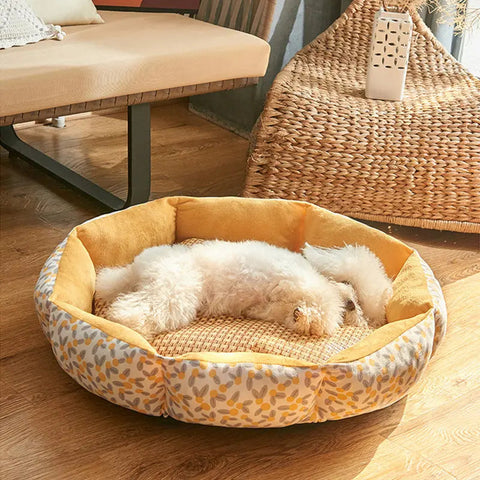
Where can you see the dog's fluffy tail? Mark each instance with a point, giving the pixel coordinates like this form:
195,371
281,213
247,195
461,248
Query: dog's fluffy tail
113,281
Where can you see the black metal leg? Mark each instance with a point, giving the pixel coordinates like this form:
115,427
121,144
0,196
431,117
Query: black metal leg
138,161
139,143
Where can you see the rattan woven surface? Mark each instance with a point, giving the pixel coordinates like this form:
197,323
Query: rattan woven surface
415,162
230,334
134,99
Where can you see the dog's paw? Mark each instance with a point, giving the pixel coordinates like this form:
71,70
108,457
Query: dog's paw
355,319
315,321
352,310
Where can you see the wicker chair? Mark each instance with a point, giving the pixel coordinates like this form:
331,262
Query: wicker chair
415,162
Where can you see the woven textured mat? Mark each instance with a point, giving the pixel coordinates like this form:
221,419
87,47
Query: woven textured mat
414,162
230,334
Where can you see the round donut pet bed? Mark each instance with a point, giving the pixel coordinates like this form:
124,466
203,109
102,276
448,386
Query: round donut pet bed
227,371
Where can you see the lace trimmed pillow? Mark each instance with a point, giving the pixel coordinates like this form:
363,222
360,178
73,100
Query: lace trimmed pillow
19,25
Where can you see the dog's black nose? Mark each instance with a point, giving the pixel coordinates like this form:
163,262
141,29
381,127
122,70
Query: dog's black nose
350,305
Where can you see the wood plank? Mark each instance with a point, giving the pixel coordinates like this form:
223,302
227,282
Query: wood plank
453,255
449,434
451,374
11,402
179,167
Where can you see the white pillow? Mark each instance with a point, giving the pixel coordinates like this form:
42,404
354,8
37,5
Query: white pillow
66,12
19,25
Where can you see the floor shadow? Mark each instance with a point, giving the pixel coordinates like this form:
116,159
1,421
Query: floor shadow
331,450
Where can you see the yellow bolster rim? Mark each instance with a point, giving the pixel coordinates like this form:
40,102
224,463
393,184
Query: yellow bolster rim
233,358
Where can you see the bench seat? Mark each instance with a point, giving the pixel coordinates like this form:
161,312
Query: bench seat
132,60
130,53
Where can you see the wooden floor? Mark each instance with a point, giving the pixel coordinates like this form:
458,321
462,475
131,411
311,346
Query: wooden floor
53,429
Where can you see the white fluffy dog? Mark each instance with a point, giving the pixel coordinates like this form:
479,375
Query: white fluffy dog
166,287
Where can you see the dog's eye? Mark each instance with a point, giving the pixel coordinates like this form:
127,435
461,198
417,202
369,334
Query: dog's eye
350,306
346,282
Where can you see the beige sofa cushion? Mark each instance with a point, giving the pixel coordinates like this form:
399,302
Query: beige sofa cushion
66,12
130,53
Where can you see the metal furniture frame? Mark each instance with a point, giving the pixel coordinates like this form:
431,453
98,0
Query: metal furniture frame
138,161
